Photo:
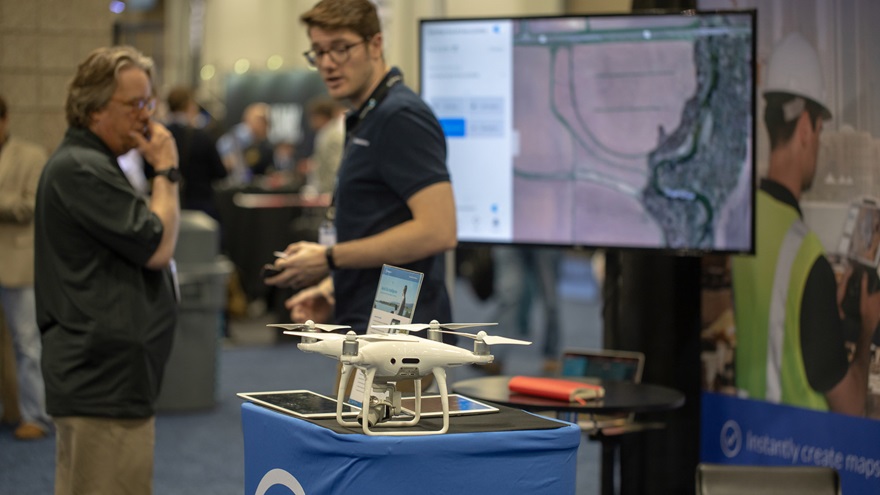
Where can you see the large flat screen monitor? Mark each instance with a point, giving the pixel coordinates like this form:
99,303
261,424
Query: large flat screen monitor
616,131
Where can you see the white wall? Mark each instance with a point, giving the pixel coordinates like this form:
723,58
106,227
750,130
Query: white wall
41,43
254,30
257,29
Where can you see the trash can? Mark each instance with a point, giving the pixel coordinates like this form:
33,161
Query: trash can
190,380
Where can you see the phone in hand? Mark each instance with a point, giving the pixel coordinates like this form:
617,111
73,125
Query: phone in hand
269,270
853,295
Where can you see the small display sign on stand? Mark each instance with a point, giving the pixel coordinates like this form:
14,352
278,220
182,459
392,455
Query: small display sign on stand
395,304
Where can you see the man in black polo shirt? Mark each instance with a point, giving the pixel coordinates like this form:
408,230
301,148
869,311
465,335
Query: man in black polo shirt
393,199
104,292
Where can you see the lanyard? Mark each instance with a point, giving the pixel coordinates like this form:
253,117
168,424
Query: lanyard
378,96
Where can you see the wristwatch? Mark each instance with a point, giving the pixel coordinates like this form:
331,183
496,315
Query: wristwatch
172,174
328,253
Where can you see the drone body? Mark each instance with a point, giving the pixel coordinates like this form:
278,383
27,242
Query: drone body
388,358
407,360
330,348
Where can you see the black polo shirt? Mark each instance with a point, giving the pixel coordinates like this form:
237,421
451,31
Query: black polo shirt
107,321
397,150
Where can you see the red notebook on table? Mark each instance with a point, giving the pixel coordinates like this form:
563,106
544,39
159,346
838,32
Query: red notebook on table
555,388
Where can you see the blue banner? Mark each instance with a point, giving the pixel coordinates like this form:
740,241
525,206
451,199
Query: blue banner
741,431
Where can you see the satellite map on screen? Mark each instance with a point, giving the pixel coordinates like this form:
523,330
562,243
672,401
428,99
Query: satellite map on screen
638,135
601,131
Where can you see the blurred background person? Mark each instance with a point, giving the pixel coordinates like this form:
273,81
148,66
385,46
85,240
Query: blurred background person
286,172
200,162
21,163
327,118
523,273
245,149
285,157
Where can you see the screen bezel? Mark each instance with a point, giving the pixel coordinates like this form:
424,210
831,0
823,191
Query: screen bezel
260,398
433,408
606,355
676,251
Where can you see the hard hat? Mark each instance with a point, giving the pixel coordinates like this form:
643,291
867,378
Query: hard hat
794,69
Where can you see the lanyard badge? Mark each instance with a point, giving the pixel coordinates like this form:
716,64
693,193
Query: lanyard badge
327,229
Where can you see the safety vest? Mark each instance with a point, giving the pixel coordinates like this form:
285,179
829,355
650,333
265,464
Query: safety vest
768,289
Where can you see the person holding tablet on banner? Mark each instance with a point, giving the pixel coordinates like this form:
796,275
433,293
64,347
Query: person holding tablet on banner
789,325
393,200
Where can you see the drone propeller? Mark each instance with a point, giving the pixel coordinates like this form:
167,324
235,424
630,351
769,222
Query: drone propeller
491,339
313,335
308,325
391,337
434,325
375,337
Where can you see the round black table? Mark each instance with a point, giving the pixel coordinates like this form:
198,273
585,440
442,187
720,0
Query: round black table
620,397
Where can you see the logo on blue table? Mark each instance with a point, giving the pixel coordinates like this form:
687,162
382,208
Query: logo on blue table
282,478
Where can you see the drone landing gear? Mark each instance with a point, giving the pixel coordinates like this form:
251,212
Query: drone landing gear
378,413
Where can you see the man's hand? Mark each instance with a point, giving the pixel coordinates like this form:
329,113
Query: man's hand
849,395
314,303
304,265
869,309
160,151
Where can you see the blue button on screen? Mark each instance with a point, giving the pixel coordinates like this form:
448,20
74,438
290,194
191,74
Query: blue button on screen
452,127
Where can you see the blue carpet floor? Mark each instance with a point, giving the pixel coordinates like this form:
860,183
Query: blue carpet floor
201,452
196,452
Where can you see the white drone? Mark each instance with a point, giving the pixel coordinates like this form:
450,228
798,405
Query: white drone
388,358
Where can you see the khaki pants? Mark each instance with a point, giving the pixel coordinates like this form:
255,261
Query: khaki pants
8,379
104,456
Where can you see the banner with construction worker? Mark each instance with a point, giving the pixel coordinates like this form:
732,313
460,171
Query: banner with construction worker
791,368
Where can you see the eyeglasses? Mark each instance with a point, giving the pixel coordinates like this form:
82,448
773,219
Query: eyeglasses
139,105
339,54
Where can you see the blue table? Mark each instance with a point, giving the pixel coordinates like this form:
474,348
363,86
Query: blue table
311,458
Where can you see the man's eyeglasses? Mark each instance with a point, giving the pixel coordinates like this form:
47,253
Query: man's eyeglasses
339,54
139,105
